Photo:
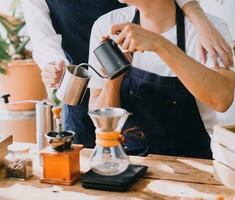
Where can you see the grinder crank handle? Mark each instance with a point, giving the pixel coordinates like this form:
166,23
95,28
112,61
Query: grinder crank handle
57,116
6,100
56,112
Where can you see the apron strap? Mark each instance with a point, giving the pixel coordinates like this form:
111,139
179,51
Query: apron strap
136,19
180,24
181,43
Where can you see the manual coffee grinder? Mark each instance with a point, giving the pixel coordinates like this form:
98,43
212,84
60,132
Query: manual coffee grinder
61,159
110,166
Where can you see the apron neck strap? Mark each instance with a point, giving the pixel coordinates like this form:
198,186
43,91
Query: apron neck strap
180,24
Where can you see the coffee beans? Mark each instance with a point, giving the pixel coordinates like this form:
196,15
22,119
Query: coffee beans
18,162
19,169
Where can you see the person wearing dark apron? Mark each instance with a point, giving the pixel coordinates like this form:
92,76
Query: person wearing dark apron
72,20
166,118
169,111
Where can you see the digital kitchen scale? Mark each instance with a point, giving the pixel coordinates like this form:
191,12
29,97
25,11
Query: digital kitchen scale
118,183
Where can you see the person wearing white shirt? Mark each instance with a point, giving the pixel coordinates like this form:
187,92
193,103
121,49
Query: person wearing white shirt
173,97
60,33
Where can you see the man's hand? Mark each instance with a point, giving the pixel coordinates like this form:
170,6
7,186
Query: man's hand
134,38
212,43
52,73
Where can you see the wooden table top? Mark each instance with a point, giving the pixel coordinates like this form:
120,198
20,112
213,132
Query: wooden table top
167,178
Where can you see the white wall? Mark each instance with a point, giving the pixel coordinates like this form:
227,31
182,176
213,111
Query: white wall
225,10
4,5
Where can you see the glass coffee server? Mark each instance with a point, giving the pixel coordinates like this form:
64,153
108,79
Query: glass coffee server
108,157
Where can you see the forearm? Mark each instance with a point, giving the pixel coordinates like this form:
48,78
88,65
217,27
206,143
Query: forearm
201,81
183,3
46,43
47,54
196,15
109,96
211,40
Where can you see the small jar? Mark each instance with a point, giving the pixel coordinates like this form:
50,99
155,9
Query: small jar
18,164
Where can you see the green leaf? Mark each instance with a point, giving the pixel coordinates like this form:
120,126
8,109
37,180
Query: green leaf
4,56
19,27
3,44
12,24
14,6
21,48
3,70
14,12
7,26
14,45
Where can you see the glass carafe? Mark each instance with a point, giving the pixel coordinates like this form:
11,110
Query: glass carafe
108,157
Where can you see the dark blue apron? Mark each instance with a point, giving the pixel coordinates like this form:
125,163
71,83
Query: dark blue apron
73,19
165,119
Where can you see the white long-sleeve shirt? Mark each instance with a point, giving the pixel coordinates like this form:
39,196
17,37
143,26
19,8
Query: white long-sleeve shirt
45,41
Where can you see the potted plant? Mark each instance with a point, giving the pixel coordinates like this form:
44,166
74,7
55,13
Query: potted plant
19,74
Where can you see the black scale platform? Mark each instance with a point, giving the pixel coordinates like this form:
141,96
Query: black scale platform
119,183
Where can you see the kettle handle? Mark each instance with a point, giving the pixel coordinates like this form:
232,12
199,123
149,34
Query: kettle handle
86,64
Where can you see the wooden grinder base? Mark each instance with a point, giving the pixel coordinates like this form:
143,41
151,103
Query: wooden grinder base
61,168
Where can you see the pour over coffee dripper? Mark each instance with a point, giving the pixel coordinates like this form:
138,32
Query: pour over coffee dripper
108,157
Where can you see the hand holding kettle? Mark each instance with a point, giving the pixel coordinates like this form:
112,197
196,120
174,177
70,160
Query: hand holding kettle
52,73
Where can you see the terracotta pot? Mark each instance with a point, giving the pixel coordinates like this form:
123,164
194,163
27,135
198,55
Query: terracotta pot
22,82
20,124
